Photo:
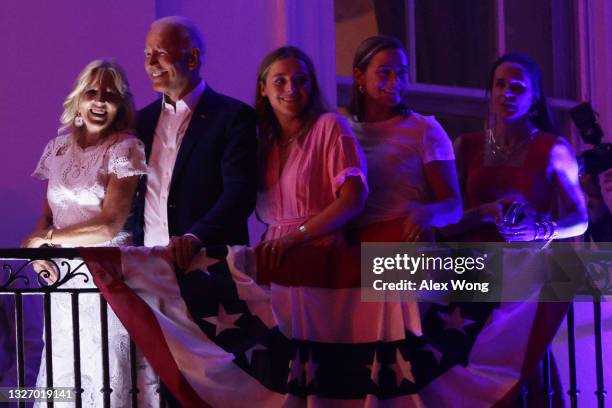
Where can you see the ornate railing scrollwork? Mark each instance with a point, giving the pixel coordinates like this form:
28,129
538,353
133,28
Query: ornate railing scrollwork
52,267
599,275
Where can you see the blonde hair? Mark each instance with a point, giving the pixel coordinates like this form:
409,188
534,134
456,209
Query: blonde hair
93,73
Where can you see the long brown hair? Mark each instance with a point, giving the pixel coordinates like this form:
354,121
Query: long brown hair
267,124
363,56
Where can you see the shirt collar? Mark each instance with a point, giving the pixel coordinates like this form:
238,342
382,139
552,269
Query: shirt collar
190,101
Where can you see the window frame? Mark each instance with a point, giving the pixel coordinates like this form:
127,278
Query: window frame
471,102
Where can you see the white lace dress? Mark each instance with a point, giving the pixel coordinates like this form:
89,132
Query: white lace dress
76,188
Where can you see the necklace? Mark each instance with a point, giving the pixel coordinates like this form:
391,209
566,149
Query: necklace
291,139
505,152
287,143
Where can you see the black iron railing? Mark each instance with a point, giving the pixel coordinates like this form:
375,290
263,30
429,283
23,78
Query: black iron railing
20,277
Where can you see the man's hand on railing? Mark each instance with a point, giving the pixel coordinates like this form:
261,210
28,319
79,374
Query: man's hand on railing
182,249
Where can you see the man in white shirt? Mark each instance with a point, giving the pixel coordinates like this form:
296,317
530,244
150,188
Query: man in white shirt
201,151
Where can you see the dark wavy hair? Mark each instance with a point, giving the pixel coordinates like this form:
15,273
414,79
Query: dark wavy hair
539,113
267,124
363,56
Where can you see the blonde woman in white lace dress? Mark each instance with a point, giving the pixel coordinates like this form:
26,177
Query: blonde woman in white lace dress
92,170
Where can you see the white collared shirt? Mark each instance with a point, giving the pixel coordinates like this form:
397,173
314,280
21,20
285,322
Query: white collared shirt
167,139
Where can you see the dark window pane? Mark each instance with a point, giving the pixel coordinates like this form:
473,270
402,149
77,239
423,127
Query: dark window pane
563,124
456,125
455,41
546,31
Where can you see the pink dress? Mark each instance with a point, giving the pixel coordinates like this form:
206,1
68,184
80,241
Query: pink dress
317,166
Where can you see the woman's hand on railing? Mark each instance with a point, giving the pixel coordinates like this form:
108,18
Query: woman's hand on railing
417,225
46,270
272,252
37,239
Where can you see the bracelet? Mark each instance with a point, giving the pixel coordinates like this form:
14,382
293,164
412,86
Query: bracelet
540,231
49,236
546,231
302,229
553,230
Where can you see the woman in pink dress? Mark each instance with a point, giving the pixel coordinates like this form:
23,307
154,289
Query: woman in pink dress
313,170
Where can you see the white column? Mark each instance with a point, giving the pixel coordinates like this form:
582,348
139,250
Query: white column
309,24
241,32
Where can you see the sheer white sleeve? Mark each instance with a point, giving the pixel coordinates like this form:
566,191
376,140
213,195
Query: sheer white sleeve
42,168
127,158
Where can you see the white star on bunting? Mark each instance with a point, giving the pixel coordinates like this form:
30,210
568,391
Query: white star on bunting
374,369
402,369
455,320
436,353
297,370
311,367
249,352
223,321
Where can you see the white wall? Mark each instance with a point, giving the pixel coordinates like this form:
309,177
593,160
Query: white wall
44,45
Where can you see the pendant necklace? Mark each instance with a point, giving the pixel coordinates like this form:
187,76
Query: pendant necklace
505,152
287,143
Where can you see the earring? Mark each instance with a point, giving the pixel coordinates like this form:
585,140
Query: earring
533,112
361,89
533,109
78,120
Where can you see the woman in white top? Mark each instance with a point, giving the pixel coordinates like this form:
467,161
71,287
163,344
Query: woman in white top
92,169
92,166
411,168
